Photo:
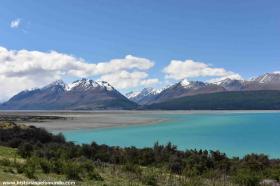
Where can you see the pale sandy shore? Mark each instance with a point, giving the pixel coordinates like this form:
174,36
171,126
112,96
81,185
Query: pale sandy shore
71,120
86,120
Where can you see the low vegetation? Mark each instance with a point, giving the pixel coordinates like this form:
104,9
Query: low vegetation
32,153
27,118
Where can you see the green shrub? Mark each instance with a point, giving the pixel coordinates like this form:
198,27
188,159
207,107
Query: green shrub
275,174
72,170
212,174
45,166
86,165
256,162
29,170
149,179
132,168
25,150
56,166
93,175
19,168
5,162
194,181
246,177
191,172
175,166
9,170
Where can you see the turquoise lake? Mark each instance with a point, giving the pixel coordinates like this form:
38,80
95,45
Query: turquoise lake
236,134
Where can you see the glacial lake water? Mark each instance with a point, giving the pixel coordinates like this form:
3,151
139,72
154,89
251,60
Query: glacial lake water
234,133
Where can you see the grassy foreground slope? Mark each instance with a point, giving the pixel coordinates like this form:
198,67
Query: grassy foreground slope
244,100
7,173
30,153
108,174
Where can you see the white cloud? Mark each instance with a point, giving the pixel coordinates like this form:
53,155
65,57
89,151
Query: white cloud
24,69
15,23
276,72
191,69
10,86
125,79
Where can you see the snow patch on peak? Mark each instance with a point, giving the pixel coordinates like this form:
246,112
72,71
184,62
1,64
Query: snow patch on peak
31,89
83,83
191,84
143,93
132,94
263,79
221,81
149,91
56,83
225,81
157,91
268,78
105,84
87,84
185,83
70,86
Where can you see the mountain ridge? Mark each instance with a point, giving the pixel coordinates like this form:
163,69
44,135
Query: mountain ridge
86,94
83,94
268,81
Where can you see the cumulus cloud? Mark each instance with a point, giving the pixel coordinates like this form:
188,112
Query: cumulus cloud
125,79
15,23
10,86
24,69
191,69
29,63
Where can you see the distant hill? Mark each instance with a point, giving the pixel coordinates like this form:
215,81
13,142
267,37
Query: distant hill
242,100
83,94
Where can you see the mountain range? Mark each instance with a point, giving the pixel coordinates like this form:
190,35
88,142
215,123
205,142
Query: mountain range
268,81
87,94
83,94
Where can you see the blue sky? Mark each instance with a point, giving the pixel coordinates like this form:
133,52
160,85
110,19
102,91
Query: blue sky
239,36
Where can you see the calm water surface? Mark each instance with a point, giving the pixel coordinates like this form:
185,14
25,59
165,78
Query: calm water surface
236,134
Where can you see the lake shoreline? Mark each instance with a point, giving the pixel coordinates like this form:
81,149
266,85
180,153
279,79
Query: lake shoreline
77,120
233,132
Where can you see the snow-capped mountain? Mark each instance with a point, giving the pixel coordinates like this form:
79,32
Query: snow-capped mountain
86,84
232,84
268,81
82,94
268,78
186,88
143,97
258,93
88,94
